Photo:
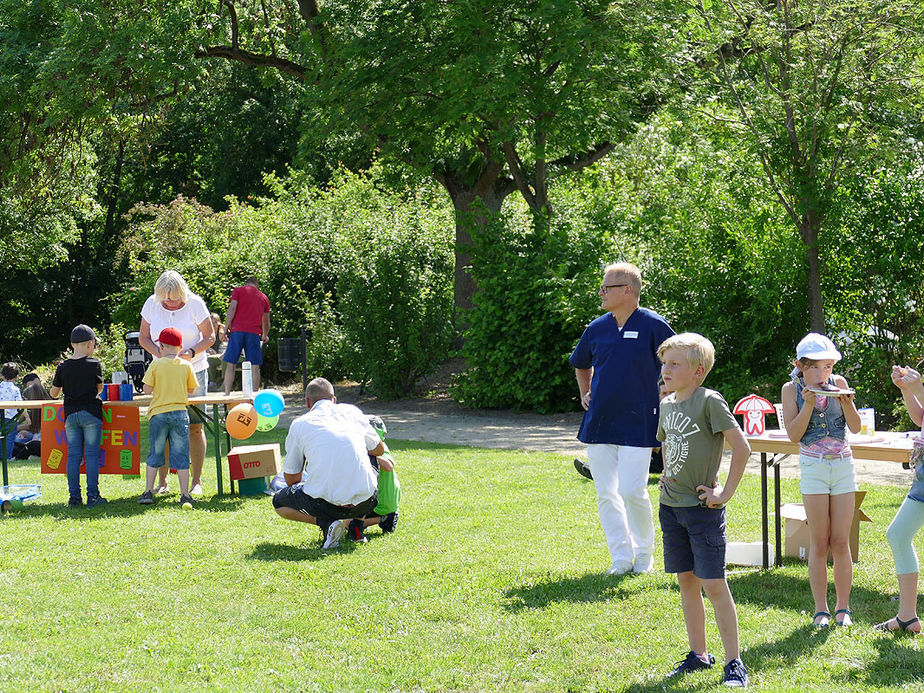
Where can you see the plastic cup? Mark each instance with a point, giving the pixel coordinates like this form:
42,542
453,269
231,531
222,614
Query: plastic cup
112,392
125,392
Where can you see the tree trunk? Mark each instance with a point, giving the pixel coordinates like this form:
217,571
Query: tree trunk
474,206
809,226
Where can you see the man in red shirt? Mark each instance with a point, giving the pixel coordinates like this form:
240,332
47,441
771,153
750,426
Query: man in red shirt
248,324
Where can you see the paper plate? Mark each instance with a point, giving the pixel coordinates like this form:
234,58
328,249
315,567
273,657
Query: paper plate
832,393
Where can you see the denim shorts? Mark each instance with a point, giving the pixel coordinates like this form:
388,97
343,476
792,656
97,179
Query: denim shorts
694,540
831,477
249,342
172,426
916,492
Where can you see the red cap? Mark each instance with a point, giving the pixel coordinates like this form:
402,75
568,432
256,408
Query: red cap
171,337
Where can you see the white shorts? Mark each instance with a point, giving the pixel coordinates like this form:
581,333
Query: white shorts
826,475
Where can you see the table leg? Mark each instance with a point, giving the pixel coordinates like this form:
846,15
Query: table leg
6,478
217,436
229,446
778,521
764,519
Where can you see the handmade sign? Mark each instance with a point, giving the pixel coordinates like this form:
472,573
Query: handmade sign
753,408
120,447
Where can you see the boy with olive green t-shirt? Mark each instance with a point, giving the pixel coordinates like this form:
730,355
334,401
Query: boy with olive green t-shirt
694,426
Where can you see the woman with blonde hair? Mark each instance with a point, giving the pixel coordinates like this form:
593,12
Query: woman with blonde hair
174,305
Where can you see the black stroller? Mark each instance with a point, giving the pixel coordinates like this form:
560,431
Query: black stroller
136,359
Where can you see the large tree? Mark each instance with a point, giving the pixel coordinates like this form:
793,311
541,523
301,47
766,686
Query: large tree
487,97
817,89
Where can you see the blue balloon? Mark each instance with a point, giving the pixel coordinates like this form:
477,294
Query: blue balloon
269,402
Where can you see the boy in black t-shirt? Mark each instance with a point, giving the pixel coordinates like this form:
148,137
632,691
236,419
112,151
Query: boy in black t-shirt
81,379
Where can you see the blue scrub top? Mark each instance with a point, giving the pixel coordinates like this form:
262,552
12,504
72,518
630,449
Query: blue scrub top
624,389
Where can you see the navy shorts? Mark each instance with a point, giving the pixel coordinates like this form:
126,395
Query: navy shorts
320,509
694,540
249,342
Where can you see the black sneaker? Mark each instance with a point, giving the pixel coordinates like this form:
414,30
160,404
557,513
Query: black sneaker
75,502
187,502
583,469
691,663
736,674
146,498
389,522
355,531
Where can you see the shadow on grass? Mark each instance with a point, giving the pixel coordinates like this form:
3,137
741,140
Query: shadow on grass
777,654
307,551
594,587
118,507
772,588
900,661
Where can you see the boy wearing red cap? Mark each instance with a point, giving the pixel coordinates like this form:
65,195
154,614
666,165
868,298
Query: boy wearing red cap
170,380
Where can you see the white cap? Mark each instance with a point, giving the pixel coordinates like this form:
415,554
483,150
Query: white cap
817,347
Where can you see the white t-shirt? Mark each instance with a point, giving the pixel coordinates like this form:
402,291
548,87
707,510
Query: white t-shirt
9,392
187,320
334,439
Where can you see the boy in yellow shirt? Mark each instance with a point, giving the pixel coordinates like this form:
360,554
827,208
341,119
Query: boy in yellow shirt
170,379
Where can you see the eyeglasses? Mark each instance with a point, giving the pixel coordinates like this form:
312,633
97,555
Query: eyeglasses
606,287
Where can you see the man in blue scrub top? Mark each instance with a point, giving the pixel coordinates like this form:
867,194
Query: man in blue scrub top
617,369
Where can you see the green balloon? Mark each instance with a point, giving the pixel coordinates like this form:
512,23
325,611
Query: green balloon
266,423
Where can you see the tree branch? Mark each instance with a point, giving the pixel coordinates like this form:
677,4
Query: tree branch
516,170
240,55
235,43
310,12
576,162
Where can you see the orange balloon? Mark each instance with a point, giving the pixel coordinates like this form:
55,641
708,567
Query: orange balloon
241,421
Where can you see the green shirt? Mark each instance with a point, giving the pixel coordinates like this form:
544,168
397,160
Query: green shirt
691,432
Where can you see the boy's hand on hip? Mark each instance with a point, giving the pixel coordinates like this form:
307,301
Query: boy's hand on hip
712,497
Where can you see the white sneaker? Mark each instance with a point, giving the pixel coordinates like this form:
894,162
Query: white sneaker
196,491
620,568
335,533
644,563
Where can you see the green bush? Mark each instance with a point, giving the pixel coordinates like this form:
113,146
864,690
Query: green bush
367,272
536,293
399,300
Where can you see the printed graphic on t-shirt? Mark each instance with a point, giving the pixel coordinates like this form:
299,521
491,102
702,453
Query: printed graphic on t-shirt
676,449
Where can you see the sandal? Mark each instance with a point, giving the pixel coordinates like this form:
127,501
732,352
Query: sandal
821,614
903,626
846,621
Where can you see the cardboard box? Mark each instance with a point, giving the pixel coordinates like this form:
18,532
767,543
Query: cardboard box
253,461
797,532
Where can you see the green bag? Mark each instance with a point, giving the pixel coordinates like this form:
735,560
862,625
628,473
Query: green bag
389,493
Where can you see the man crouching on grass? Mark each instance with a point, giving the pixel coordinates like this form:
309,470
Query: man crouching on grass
694,426
327,465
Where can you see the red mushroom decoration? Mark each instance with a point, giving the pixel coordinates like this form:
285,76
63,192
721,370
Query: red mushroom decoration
753,408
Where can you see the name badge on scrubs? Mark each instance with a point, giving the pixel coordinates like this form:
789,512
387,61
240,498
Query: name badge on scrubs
630,334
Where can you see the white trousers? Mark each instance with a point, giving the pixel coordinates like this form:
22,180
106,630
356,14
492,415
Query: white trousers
621,478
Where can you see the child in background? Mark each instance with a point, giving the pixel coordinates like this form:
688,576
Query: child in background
80,378
170,379
819,424
910,516
9,392
694,426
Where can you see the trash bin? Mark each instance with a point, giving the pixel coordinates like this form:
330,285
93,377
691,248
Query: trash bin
290,354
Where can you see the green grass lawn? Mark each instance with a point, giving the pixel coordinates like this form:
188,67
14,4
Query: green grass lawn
493,581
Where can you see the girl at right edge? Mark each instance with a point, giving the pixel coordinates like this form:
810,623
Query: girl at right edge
910,516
